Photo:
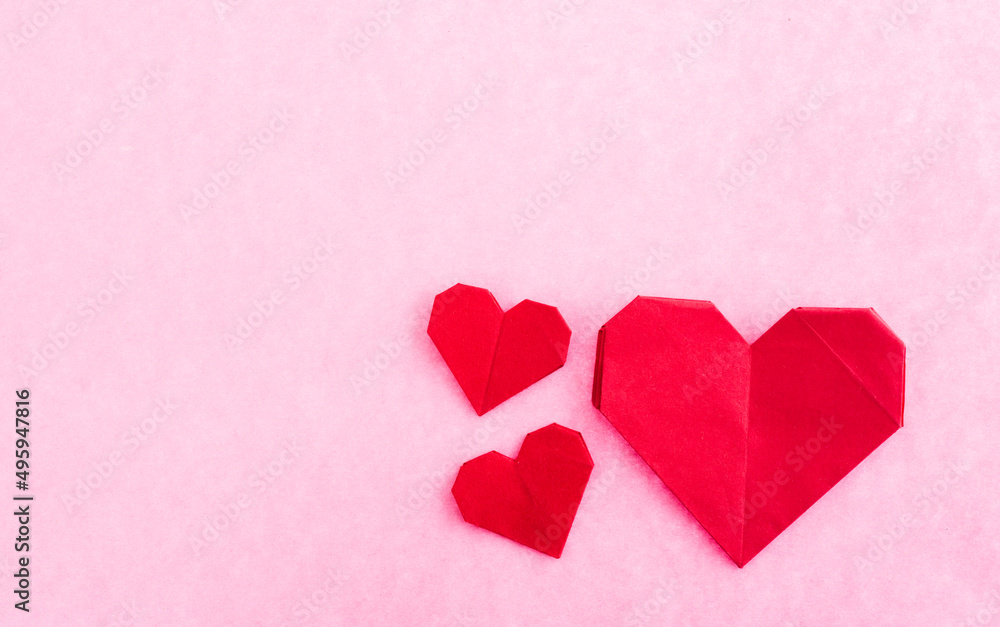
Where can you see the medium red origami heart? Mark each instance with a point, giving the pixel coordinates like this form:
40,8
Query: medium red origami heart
748,437
531,499
495,354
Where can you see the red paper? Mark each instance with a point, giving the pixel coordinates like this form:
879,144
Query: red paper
749,436
495,354
531,499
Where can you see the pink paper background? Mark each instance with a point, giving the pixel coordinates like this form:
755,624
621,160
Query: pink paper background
338,398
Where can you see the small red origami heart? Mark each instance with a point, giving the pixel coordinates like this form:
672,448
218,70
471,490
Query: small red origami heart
748,437
531,499
495,354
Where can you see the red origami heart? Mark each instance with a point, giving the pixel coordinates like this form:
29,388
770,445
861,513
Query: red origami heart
495,354
531,499
748,437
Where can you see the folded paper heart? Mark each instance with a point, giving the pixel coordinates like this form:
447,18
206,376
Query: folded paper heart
531,499
746,436
495,354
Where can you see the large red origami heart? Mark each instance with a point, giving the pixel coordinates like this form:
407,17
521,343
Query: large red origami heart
493,354
531,499
748,437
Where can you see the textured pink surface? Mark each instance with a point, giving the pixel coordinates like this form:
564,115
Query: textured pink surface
229,295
